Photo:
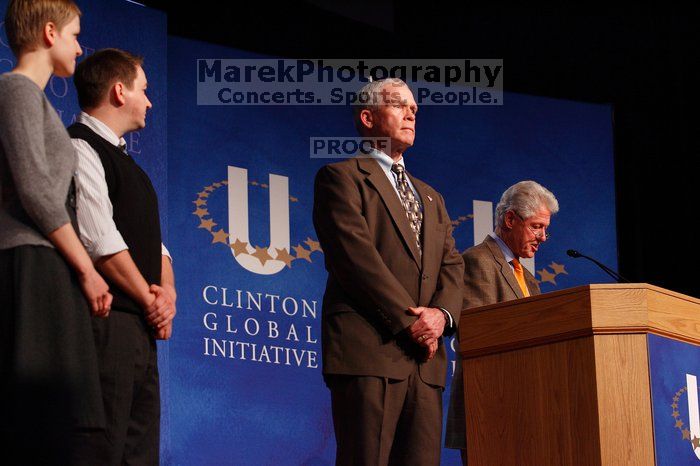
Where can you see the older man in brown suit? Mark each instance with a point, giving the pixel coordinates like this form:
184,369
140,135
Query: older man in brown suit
493,274
393,291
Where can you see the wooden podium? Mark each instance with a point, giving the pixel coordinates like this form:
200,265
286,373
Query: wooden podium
563,378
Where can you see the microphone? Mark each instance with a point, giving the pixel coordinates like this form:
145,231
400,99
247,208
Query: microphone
619,278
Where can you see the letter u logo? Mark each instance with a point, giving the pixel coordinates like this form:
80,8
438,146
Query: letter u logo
238,220
693,411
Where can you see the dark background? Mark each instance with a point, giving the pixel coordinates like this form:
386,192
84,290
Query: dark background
642,59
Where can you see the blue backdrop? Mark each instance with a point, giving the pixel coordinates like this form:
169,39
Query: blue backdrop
261,410
241,379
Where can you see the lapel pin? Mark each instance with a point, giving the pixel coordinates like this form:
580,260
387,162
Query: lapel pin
429,198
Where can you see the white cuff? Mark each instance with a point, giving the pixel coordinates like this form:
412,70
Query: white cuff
450,320
106,245
164,252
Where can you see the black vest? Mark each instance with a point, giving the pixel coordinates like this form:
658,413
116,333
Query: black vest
135,211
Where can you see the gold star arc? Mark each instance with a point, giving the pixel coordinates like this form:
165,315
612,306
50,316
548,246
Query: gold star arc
558,268
207,224
284,256
686,434
262,254
313,245
695,442
302,253
461,219
547,276
219,237
239,247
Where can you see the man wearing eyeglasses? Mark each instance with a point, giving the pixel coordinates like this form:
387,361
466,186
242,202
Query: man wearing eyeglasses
493,274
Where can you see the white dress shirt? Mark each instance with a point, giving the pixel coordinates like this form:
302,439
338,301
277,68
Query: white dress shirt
98,231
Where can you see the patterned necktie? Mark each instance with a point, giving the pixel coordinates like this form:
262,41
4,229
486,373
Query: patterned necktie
520,276
409,201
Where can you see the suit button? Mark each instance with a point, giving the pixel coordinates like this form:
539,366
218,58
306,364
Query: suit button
425,277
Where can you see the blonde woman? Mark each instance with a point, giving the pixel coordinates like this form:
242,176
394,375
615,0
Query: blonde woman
48,285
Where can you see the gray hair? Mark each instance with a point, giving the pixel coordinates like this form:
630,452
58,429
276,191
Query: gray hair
525,198
368,98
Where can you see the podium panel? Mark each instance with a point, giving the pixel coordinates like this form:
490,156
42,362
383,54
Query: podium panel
566,378
675,368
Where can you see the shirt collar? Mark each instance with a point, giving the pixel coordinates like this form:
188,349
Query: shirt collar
384,160
100,128
507,253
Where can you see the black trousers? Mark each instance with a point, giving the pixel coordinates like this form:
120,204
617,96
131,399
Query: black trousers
128,365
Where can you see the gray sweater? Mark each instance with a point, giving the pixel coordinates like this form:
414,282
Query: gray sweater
37,162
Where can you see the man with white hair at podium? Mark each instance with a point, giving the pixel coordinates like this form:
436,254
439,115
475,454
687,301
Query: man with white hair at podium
493,274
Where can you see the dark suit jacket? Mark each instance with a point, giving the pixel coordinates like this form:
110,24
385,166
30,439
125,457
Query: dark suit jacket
375,272
488,279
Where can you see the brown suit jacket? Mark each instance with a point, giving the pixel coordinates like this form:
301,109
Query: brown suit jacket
488,279
375,272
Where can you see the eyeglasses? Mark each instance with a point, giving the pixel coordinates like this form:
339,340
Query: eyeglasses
538,232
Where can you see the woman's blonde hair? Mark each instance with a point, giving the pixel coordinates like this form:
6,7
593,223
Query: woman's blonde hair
25,21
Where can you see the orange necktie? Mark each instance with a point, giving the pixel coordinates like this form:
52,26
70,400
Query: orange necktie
520,276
